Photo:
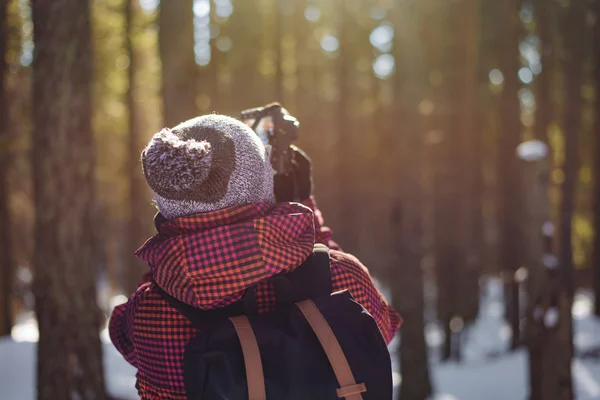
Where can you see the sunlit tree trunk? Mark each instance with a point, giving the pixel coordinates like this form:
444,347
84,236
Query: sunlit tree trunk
543,99
457,278
540,333
596,207
509,176
209,76
6,257
69,350
136,225
245,62
574,57
404,150
343,155
179,68
573,33
473,146
278,51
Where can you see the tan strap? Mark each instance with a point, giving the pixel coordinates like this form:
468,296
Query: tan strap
254,370
349,389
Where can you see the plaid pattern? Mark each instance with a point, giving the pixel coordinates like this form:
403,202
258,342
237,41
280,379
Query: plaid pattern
208,260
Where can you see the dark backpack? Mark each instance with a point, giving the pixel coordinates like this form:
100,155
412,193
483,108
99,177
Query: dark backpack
242,355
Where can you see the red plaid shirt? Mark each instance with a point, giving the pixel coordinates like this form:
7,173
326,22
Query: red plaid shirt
208,260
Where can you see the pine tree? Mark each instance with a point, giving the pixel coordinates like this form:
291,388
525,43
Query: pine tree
6,257
596,206
137,188
179,69
544,12
406,150
509,178
69,350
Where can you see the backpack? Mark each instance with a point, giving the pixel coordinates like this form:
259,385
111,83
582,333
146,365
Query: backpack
316,345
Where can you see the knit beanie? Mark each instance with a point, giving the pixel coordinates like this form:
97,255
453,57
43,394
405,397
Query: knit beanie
205,164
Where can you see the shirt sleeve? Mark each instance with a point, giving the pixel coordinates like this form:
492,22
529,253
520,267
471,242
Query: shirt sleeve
121,324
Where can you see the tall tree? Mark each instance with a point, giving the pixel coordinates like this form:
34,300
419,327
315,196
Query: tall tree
469,125
543,339
247,60
405,157
574,24
343,140
6,257
544,12
69,350
179,69
454,178
137,187
596,207
278,33
509,178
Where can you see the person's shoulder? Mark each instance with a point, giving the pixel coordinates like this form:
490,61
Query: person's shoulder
147,294
346,260
343,257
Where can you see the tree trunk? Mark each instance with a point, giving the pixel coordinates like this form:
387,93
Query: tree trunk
69,350
134,268
572,125
544,107
537,213
245,61
179,69
278,51
406,214
343,142
509,176
457,282
596,206
6,257
472,150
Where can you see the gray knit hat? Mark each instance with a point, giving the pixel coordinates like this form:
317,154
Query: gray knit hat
205,164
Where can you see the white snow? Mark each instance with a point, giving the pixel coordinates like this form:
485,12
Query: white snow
487,372
17,366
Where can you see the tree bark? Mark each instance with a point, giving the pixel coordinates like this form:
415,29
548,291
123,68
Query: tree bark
137,188
509,177
6,254
470,127
537,212
596,204
455,177
179,69
543,98
69,350
244,62
278,52
406,213
343,142
574,57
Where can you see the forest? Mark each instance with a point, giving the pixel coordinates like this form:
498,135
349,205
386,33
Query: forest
455,149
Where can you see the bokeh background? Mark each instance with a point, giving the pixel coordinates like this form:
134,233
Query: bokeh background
411,110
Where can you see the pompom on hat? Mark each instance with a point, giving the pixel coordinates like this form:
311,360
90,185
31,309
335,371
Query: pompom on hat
205,164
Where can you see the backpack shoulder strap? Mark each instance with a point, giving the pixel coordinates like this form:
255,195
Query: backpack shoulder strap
199,317
310,280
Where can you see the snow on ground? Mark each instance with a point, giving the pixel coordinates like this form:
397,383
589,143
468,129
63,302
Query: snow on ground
487,372
17,366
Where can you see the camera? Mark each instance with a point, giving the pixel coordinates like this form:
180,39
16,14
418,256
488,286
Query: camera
277,129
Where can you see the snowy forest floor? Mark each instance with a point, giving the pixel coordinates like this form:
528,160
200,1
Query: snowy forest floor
487,372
